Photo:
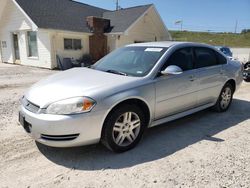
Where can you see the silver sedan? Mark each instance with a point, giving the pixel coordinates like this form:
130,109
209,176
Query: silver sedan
129,90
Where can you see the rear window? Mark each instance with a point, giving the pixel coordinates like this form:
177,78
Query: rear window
205,57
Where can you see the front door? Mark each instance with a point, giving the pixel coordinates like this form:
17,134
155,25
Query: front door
16,48
177,93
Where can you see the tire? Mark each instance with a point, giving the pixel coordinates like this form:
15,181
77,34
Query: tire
123,128
225,99
247,80
247,65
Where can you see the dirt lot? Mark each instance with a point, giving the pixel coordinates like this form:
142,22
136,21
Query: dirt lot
203,150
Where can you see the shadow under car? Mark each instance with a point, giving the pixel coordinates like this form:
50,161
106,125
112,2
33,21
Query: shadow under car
158,142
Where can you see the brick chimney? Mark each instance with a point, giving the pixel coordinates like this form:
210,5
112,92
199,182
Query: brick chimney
98,25
98,41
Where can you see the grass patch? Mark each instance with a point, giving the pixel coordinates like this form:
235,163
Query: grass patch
216,39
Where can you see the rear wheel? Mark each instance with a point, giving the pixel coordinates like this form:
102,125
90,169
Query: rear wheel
225,99
247,65
123,128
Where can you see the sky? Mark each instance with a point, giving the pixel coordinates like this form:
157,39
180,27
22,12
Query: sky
196,15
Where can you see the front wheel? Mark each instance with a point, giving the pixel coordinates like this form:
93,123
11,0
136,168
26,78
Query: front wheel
225,99
123,128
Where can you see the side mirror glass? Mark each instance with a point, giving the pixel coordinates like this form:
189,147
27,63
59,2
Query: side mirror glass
172,70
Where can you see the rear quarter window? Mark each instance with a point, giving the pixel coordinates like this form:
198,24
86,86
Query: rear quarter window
220,58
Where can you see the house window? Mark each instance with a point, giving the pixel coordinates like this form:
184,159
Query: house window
72,44
32,43
4,44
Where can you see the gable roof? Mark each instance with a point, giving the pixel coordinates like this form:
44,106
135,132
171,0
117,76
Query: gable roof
71,15
60,14
122,19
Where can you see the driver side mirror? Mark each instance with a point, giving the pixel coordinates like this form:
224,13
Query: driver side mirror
172,70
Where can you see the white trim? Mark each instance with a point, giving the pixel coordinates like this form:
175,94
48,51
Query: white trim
33,57
20,8
66,31
137,20
115,33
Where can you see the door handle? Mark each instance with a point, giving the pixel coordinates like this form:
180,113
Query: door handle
222,72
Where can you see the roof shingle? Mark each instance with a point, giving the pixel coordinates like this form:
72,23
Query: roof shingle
71,16
122,19
60,14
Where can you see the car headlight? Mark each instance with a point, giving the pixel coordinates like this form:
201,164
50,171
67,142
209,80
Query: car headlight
71,106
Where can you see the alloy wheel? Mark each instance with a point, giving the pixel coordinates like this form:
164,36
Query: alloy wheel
226,97
126,129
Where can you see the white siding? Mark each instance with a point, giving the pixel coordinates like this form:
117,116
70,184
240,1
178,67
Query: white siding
147,29
2,7
111,42
44,55
14,21
57,38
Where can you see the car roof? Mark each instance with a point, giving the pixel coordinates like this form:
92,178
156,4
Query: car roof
166,44
221,47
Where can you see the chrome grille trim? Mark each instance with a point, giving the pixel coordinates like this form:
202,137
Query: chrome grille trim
30,106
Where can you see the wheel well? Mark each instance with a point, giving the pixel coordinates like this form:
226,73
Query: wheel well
232,82
141,104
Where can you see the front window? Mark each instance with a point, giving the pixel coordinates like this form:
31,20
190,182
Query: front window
72,44
131,61
32,43
182,58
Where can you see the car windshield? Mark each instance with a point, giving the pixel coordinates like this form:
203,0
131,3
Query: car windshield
130,61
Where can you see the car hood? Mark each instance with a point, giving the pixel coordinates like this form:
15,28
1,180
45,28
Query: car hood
74,83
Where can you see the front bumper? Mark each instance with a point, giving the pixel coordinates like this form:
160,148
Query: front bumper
63,130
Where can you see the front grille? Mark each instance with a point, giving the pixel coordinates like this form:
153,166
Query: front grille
59,137
30,106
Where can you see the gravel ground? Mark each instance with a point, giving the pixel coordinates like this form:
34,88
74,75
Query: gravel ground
206,149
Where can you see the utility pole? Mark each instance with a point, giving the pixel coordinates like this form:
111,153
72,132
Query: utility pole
117,4
236,26
179,22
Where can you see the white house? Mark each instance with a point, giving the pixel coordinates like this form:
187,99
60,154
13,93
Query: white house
34,32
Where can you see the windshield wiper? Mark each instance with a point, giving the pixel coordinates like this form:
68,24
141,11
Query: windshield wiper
117,72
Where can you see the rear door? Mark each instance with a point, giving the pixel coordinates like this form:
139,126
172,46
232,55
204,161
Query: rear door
210,74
